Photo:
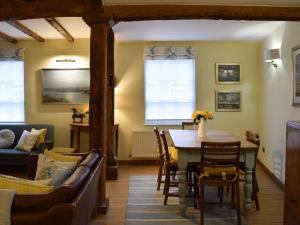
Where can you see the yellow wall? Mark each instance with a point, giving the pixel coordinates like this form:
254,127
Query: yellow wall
130,88
43,55
276,91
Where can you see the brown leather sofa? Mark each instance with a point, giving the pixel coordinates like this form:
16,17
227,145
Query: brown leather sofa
73,203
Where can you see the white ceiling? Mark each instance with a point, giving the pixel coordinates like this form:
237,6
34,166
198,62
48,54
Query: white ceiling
207,2
195,30
179,30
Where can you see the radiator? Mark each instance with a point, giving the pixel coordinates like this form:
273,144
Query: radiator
144,144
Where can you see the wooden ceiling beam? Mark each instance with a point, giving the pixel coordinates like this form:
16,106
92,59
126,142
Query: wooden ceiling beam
8,38
31,9
176,12
24,29
57,26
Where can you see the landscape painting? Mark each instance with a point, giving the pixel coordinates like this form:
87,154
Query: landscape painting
296,75
228,73
228,101
65,86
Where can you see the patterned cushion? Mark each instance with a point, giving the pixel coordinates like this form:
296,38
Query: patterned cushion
27,141
7,138
57,171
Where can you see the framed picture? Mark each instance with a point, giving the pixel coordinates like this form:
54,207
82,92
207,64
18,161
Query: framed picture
65,86
228,73
228,101
296,75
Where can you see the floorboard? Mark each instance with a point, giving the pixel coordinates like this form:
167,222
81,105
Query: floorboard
270,196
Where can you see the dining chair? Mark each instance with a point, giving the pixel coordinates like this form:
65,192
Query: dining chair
194,124
170,168
220,167
161,159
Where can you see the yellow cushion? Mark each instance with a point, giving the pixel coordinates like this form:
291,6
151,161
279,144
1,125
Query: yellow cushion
23,186
41,136
173,154
217,171
63,158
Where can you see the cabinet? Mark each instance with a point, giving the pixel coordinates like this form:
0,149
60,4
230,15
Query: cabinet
292,174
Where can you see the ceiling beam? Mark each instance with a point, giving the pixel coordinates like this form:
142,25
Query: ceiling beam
30,9
8,38
175,12
57,26
25,30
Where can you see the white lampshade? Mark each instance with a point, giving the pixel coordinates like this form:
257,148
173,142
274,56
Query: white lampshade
272,54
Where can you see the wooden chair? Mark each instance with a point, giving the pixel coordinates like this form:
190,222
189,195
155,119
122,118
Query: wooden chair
170,169
220,163
184,124
160,159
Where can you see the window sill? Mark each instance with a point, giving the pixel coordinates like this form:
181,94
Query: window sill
165,122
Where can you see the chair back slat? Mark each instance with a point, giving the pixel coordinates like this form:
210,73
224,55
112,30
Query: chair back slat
218,154
165,146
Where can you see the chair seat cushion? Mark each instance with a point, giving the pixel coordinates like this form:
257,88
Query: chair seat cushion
217,171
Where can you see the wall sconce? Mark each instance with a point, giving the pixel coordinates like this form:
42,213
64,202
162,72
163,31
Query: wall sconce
65,60
271,55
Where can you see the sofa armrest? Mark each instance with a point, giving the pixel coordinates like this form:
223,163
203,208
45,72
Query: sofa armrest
45,145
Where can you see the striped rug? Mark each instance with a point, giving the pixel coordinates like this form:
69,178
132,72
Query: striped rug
145,207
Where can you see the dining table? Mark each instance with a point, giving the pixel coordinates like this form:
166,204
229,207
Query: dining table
188,145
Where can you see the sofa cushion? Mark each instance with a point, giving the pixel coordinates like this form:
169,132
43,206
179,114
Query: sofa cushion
90,160
23,186
13,154
7,138
57,171
19,128
41,136
61,157
27,141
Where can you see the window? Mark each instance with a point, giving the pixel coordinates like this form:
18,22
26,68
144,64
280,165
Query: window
169,91
11,91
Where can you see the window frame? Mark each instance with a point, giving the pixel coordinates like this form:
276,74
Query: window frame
24,99
169,122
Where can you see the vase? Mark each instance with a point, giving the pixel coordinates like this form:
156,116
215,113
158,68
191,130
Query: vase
202,128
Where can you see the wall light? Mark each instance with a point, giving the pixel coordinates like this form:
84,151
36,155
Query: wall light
65,60
271,55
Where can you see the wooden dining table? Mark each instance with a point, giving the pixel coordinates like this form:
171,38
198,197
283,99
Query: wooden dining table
188,145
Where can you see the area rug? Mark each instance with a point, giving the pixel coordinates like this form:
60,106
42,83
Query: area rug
145,207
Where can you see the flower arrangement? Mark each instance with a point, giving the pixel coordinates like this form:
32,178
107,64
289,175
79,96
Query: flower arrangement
198,115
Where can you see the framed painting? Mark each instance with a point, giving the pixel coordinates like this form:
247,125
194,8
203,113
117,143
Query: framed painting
228,73
228,101
65,86
296,75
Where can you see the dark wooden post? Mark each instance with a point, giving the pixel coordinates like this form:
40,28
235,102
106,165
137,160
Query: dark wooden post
112,165
98,102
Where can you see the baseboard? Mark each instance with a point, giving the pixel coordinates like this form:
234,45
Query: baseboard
271,175
138,162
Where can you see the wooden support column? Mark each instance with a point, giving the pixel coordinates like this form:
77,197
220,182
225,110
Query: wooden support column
112,164
98,103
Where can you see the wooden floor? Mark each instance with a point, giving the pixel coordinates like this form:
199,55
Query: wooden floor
270,196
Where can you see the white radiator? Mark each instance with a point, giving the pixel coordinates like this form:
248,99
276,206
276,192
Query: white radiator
144,144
